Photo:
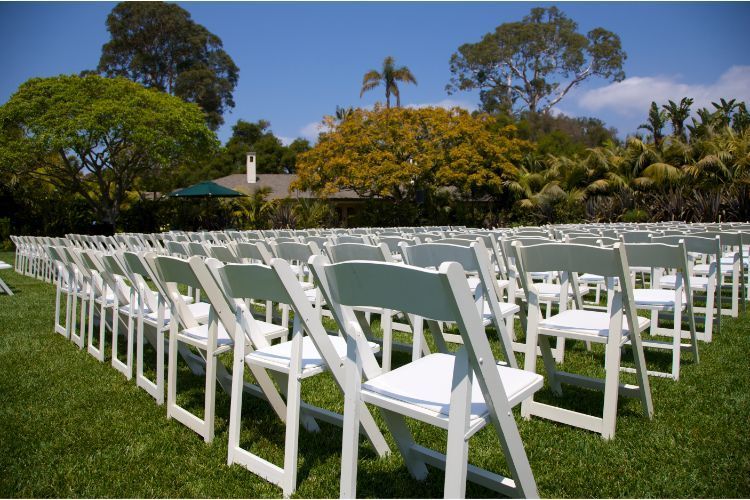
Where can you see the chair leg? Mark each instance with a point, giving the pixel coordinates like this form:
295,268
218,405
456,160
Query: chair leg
457,453
611,387
386,324
350,428
235,405
293,395
172,372
677,342
405,442
210,401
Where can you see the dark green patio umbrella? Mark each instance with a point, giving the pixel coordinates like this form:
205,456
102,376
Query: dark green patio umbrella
205,189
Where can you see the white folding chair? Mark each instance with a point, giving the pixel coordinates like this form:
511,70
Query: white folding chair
153,320
460,393
210,340
655,299
612,328
290,362
125,304
707,283
65,285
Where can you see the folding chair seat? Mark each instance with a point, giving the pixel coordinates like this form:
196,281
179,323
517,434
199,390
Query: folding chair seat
228,287
613,328
438,389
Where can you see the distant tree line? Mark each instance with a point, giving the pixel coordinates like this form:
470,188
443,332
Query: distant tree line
100,151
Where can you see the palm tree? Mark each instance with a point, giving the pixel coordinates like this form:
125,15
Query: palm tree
725,109
677,114
388,77
656,120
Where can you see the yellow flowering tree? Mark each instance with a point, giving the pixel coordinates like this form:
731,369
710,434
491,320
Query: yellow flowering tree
393,153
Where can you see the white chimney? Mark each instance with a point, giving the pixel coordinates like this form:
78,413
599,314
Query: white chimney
251,157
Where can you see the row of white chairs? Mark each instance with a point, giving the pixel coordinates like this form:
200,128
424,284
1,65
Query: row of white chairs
449,281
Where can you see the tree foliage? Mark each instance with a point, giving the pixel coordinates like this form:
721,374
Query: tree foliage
700,177
158,45
389,77
98,137
395,154
534,63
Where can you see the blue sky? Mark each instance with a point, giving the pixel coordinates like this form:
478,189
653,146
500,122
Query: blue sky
298,61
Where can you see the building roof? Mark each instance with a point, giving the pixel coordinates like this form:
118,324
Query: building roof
279,185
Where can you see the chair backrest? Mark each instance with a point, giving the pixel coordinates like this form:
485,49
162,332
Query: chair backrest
393,241
694,244
299,252
138,272
431,255
177,248
256,251
362,239
636,236
169,273
343,252
660,255
222,253
591,240
195,248
227,285
318,240
285,239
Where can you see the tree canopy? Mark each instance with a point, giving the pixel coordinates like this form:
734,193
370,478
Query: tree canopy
395,153
98,137
158,45
534,63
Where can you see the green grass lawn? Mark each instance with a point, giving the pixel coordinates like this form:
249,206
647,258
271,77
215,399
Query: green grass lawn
73,427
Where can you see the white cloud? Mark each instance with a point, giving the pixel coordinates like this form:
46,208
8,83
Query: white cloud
447,104
311,131
633,95
285,140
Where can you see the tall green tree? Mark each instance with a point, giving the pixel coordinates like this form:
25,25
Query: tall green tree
98,137
158,45
389,76
535,62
